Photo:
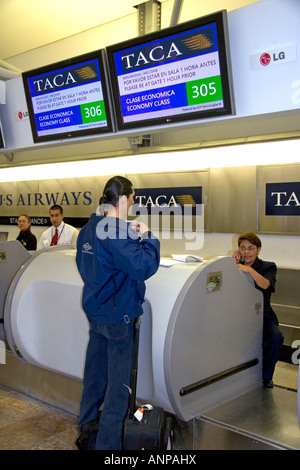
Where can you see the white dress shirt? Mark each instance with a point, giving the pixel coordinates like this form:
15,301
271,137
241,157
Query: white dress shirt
67,235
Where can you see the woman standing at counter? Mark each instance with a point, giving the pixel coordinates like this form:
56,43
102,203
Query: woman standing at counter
114,258
25,236
263,274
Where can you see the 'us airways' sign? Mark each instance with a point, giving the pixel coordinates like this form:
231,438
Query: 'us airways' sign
283,199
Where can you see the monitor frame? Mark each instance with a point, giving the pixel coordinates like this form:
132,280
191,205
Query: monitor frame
60,66
219,19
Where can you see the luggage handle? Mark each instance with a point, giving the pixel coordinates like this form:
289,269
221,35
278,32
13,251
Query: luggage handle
134,367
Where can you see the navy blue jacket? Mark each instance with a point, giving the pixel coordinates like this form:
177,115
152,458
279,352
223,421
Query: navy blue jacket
114,262
267,269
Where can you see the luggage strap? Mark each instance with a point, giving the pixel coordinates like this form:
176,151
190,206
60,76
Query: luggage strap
134,367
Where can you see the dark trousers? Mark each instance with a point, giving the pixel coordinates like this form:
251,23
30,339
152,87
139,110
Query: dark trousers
272,344
106,381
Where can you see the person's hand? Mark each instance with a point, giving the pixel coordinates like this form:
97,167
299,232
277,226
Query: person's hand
245,269
139,227
237,257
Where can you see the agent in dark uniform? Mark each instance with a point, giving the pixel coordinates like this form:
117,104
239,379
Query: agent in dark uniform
25,236
263,274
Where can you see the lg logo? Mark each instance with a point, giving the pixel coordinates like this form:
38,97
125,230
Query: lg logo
265,59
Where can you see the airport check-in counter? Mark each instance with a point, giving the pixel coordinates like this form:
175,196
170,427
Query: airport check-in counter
12,256
200,338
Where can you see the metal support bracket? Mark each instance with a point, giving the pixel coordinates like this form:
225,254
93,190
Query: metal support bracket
149,17
9,156
141,141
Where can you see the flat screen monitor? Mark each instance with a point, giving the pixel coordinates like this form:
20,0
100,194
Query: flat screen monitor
176,74
68,99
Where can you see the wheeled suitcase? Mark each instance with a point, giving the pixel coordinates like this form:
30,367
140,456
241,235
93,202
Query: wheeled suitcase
151,433
145,427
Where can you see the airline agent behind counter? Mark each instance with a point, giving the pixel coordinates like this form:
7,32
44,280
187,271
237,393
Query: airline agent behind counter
26,237
263,274
59,233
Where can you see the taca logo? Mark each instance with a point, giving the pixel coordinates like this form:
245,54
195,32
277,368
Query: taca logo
199,41
168,197
156,54
57,81
86,73
162,200
65,78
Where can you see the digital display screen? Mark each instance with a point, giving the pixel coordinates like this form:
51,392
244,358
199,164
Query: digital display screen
174,74
68,99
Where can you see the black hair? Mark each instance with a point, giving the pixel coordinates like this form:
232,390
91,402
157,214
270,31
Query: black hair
251,237
116,187
56,207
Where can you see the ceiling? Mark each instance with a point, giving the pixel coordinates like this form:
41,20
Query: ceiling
30,27
28,24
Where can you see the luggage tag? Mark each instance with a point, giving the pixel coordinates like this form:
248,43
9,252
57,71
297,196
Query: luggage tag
140,411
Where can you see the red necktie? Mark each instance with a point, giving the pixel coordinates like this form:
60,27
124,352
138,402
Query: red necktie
55,238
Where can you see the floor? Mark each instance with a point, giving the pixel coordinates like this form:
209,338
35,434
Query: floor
286,375
28,424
